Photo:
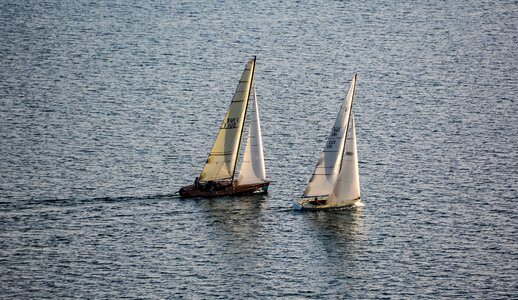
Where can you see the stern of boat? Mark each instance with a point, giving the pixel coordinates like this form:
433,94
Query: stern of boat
186,191
305,203
264,188
297,206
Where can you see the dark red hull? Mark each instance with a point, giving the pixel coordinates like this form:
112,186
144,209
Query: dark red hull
233,189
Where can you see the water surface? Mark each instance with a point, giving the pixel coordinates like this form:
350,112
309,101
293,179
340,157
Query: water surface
107,109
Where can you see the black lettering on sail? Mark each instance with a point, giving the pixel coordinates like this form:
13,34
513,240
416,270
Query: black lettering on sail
335,131
230,123
330,144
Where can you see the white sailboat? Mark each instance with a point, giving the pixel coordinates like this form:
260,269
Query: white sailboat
335,183
217,176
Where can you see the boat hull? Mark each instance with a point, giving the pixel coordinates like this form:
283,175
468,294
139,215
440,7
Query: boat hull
320,203
233,189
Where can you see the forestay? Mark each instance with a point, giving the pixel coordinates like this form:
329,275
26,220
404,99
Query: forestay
252,168
222,159
329,164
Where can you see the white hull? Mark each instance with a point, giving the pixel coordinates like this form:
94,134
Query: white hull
320,203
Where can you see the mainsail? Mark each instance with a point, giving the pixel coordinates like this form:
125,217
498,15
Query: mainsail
252,168
347,186
221,163
330,162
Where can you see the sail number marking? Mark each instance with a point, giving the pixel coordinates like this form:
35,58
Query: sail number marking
230,123
330,144
335,131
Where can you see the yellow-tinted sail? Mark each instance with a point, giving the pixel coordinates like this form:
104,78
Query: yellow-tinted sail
221,163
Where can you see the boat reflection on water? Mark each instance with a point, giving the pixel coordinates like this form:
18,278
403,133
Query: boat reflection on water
235,219
339,232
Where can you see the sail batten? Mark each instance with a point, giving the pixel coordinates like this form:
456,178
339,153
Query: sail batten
222,159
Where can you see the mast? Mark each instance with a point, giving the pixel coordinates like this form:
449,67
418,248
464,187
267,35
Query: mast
243,127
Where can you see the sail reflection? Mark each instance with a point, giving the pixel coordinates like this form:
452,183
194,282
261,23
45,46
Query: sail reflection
235,220
339,232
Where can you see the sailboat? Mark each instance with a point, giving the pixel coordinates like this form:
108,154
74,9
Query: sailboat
335,183
218,175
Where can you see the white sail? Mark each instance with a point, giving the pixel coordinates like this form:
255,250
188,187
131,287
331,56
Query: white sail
328,166
347,186
252,168
221,163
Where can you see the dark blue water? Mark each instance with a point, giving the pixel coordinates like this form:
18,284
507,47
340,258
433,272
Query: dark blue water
108,108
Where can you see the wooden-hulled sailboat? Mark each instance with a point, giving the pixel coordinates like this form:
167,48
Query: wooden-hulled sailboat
218,175
335,182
